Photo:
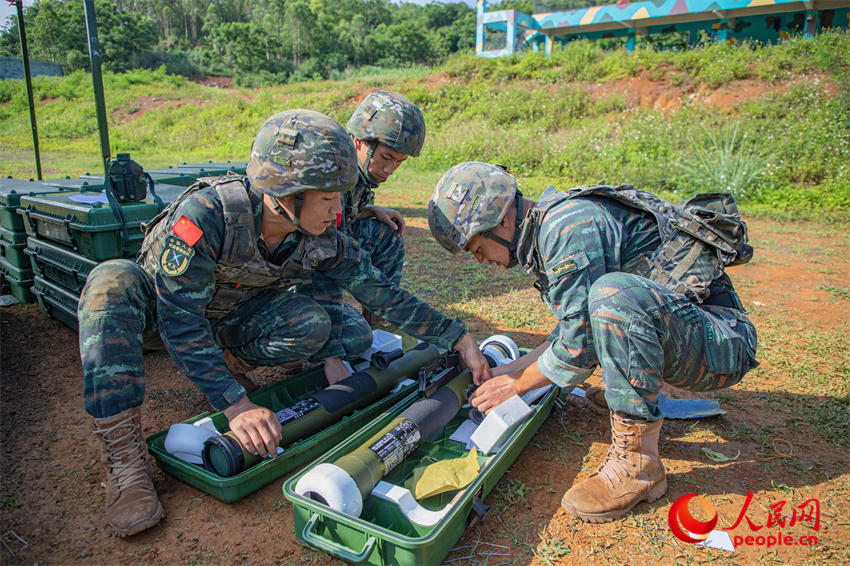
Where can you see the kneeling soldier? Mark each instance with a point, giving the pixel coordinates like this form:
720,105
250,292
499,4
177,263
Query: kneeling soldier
213,281
638,287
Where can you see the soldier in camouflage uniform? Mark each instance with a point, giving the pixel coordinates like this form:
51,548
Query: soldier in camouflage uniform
637,286
213,281
386,128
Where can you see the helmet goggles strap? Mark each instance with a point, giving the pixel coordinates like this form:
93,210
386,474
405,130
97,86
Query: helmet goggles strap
512,245
294,219
364,166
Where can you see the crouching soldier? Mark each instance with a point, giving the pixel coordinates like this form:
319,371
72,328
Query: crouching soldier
213,281
386,128
637,286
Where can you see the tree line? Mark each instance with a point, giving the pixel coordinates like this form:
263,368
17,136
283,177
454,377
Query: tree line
257,42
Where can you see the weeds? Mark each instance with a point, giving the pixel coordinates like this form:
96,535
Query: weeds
551,549
834,290
723,162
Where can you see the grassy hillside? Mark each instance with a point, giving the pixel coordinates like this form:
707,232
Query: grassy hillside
768,123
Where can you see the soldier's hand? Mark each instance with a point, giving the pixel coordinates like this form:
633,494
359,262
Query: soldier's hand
390,217
493,393
335,370
257,428
467,347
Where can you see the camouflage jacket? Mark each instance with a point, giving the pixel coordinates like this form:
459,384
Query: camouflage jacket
569,243
204,256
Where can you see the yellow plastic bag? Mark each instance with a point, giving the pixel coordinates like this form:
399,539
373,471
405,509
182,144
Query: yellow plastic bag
445,475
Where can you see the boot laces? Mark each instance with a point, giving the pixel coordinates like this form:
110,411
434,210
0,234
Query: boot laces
125,456
617,465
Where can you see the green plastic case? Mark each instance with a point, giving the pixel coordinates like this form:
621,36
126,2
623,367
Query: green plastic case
90,229
13,245
275,397
237,167
382,535
56,301
20,280
58,263
11,191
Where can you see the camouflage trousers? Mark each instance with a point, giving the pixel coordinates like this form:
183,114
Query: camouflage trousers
386,251
645,334
117,314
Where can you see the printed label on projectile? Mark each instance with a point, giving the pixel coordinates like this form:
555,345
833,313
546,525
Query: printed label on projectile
393,447
297,410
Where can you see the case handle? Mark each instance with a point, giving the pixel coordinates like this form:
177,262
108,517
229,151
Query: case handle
334,548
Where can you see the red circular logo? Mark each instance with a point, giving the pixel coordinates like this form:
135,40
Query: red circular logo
694,530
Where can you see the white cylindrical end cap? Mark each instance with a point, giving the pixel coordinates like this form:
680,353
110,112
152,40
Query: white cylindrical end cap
501,348
332,484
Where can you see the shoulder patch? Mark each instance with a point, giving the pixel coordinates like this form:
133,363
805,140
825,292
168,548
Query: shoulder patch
175,256
567,265
187,230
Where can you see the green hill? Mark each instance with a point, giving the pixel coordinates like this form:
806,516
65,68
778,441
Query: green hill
769,123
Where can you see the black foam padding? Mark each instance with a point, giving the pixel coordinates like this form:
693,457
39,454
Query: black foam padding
354,387
433,413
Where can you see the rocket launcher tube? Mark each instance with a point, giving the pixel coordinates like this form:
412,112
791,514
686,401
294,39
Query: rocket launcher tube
224,455
344,485
375,458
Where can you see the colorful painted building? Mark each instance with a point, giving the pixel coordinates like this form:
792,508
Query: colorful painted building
504,32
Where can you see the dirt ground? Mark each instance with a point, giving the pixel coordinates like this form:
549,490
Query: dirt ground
52,495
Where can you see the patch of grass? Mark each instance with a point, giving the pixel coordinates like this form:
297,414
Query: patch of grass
551,549
835,291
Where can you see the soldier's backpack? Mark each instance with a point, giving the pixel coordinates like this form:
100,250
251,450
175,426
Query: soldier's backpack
699,237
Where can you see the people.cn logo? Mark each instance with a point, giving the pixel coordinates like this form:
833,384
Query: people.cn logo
685,526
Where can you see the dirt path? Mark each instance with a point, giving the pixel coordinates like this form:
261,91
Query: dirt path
51,476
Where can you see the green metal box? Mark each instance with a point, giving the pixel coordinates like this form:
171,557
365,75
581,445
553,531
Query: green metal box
13,244
58,264
86,223
382,534
56,301
276,397
20,280
11,191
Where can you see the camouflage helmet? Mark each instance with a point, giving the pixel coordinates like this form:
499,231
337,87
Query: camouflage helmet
302,150
471,198
391,119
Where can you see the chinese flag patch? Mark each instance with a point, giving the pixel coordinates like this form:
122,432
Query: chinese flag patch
187,230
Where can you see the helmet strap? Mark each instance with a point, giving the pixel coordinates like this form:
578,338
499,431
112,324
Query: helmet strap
294,219
512,245
364,166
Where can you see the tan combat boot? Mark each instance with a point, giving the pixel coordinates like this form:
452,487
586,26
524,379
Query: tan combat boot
632,472
131,502
594,399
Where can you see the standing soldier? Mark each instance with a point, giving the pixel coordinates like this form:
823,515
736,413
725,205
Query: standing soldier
386,128
212,281
638,287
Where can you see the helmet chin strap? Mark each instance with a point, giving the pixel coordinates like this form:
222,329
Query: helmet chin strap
364,166
512,245
294,219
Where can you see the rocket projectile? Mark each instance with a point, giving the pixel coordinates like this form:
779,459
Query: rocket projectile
344,484
224,455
